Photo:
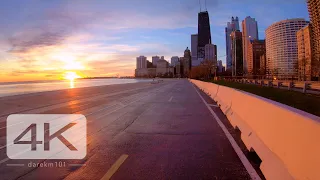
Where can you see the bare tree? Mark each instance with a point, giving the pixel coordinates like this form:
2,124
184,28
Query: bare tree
209,67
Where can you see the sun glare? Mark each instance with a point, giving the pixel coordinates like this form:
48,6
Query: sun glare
73,65
71,76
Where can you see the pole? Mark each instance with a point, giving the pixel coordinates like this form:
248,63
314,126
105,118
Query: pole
255,64
232,58
235,47
205,3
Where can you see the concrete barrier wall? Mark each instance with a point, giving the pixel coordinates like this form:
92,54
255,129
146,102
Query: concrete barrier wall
286,139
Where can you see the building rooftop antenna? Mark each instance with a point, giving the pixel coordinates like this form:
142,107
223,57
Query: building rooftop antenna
200,5
205,4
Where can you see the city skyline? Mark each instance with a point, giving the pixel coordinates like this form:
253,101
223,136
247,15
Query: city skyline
49,38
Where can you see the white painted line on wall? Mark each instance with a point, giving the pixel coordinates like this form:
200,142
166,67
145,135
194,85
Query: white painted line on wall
252,172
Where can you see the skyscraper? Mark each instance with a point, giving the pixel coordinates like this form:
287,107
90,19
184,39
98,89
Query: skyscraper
216,50
204,33
174,60
231,26
220,66
141,62
186,62
249,32
262,64
194,50
305,61
211,55
210,52
282,49
237,56
256,49
155,59
314,12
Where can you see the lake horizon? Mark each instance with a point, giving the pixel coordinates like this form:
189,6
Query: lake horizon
26,87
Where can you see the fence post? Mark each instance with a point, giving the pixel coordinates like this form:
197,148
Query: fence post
290,85
306,86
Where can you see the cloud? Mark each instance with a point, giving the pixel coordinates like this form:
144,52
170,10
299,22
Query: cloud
22,45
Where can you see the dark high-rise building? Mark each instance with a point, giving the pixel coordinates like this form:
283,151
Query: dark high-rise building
314,12
263,64
216,56
204,33
256,49
237,54
187,62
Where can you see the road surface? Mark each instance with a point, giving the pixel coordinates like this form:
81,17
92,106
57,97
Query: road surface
134,131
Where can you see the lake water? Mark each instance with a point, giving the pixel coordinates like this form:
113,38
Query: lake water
9,89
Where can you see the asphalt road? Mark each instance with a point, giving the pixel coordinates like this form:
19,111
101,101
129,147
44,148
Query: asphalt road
134,131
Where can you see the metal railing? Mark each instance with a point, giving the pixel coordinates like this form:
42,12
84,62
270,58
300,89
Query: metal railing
312,87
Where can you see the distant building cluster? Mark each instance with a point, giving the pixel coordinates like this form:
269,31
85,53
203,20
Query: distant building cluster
159,67
291,48
202,52
243,48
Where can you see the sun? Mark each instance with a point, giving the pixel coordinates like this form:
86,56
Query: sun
71,76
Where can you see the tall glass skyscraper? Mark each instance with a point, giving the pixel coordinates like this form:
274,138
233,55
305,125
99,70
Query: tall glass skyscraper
194,50
204,33
231,26
249,32
314,12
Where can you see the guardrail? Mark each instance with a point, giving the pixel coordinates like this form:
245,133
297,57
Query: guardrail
286,139
302,86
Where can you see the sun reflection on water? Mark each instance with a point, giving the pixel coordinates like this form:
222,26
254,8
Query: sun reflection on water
71,83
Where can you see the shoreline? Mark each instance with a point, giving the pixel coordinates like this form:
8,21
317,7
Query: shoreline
34,87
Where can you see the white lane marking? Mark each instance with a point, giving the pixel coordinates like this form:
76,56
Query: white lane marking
252,172
115,167
171,99
213,105
77,165
15,165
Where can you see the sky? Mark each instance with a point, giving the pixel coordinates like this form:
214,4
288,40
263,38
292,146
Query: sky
43,40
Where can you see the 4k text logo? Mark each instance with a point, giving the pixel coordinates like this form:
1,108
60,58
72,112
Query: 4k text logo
46,136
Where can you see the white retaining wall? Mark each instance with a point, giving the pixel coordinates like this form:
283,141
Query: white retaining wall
286,139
